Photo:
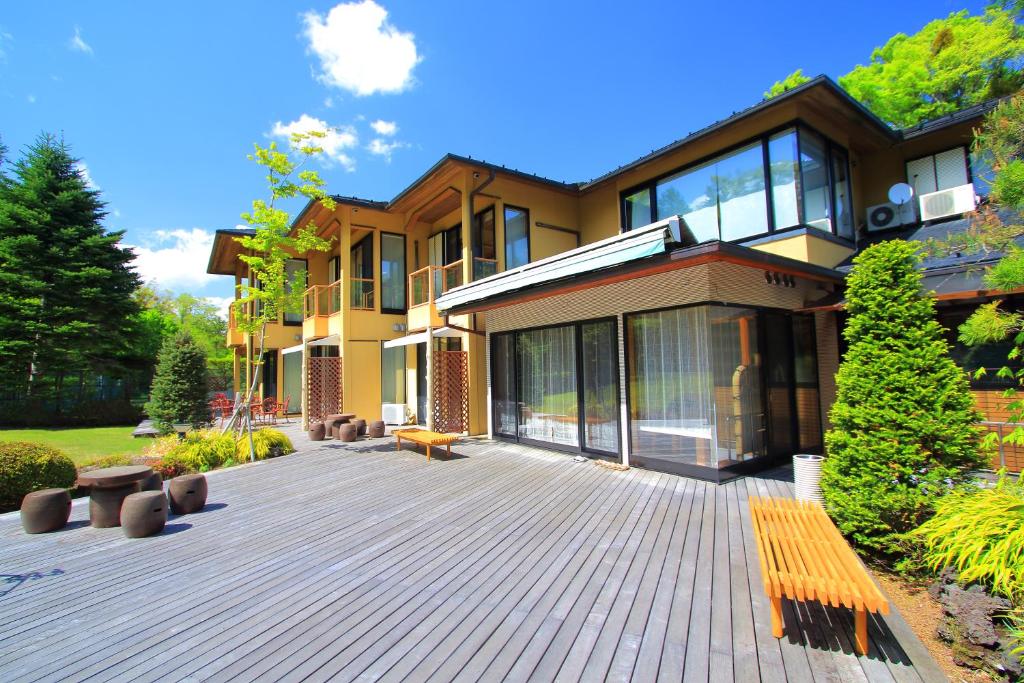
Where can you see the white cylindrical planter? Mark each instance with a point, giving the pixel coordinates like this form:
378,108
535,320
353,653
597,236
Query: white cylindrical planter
807,477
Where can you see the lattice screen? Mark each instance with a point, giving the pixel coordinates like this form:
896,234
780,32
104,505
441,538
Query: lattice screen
323,387
451,391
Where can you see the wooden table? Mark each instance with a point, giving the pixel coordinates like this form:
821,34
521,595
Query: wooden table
108,487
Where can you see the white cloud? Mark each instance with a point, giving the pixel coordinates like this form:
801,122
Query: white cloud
78,44
387,128
359,50
5,39
83,171
30,98
337,140
223,303
328,103
175,259
382,148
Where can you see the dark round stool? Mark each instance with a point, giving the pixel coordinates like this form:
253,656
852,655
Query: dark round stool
376,429
154,482
105,504
144,514
45,510
360,426
347,432
187,493
317,431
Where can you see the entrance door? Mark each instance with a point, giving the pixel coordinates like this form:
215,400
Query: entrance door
269,374
778,369
421,384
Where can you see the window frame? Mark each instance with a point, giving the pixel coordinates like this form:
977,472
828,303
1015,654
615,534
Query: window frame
762,138
284,314
405,274
504,233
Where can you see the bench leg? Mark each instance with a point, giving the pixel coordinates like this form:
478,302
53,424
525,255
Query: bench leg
776,605
860,622
398,444
449,446
428,452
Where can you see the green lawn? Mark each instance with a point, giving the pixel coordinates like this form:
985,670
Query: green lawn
85,444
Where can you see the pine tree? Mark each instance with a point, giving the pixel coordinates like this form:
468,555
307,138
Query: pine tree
65,282
904,421
178,394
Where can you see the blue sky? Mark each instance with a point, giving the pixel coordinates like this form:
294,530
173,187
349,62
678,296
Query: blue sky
162,102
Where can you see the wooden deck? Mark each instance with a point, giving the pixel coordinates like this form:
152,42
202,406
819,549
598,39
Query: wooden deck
356,561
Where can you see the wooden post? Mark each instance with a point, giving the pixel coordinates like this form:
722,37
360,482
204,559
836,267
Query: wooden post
776,604
860,618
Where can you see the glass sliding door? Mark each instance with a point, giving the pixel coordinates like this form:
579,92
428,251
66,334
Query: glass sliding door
600,374
291,366
546,382
503,384
739,414
392,273
805,376
392,375
778,370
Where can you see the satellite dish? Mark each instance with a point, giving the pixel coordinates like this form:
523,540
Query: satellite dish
900,193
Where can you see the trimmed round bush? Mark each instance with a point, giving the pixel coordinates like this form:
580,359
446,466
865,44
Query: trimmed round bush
27,467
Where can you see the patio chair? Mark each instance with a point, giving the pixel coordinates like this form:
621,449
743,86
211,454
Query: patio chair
283,407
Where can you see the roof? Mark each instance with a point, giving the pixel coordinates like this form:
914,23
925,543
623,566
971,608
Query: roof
223,240
953,119
819,81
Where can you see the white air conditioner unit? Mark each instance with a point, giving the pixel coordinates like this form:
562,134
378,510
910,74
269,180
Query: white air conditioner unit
950,202
889,215
393,413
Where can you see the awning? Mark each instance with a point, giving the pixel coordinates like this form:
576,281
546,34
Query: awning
420,337
333,340
630,246
292,349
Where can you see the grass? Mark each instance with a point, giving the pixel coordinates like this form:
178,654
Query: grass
85,444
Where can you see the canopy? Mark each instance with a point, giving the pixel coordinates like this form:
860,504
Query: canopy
420,337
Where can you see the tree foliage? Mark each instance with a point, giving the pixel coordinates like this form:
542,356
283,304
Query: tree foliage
788,83
65,282
948,65
179,387
904,422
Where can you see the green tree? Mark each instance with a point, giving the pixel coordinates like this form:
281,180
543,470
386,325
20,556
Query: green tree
788,83
65,283
948,65
904,422
268,293
179,389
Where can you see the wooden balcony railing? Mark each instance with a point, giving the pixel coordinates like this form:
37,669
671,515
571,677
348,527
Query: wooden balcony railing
484,267
426,284
362,294
322,300
421,286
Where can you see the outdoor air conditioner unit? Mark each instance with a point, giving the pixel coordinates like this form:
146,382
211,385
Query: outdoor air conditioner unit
955,200
889,215
393,413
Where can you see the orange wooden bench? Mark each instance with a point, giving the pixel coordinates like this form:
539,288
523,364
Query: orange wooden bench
804,557
424,437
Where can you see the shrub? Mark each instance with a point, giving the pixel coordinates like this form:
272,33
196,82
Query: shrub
26,467
267,443
201,451
179,386
171,466
980,533
904,431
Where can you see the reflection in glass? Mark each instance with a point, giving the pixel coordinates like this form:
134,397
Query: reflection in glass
737,380
692,195
600,386
392,271
841,200
392,375
546,374
638,209
503,384
805,373
814,179
742,204
517,237
782,160
295,281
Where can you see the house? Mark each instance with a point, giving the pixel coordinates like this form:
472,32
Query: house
680,313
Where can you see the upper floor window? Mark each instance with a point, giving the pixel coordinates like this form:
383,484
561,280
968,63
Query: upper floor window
485,256
938,171
794,177
362,274
295,280
517,237
392,273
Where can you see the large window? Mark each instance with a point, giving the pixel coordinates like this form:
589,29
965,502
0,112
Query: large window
295,281
392,273
392,375
362,274
517,237
558,386
940,171
485,254
794,177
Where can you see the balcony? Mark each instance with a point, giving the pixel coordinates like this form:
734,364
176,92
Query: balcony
426,284
362,298
235,336
319,304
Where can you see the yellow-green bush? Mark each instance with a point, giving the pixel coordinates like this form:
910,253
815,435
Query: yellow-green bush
981,534
26,467
201,451
266,443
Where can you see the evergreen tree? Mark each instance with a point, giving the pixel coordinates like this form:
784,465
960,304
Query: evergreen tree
904,421
179,387
65,283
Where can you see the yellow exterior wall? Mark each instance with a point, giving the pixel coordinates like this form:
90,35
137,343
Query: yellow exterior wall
807,248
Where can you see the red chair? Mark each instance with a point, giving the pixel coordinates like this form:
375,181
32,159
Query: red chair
283,408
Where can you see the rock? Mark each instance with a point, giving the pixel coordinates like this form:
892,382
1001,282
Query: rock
973,609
